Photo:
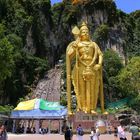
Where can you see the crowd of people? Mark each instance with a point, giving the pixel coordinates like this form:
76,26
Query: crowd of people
68,133
119,132
31,130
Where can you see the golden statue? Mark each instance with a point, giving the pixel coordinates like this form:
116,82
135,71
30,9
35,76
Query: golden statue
86,75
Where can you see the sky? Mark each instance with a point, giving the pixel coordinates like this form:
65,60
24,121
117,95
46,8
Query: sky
127,6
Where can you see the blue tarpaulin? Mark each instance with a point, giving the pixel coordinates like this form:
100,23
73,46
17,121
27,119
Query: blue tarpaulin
39,114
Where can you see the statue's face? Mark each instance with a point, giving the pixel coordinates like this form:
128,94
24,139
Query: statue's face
85,34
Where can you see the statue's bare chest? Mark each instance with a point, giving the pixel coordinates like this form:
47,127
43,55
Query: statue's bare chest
86,48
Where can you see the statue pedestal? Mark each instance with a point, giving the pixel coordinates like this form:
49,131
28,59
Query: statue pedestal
80,115
89,120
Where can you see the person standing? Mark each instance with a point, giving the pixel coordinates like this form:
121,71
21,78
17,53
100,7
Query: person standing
67,134
121,132
80,132
94,134
71,132
3,133
97,131
134,129
115,133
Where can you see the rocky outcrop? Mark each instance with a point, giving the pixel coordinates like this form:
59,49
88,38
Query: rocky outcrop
127,116
49,87
50,32
95,13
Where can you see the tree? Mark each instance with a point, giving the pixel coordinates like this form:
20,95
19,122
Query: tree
101,34
6,56
133,34
129,77
112,62
112,66
129,80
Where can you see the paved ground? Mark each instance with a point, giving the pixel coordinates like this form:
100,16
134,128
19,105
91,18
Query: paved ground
56,137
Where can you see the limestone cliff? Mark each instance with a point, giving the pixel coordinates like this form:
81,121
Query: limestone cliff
96,13
50,32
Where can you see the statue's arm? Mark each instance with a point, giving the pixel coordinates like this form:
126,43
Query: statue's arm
71,49
100,54
99,57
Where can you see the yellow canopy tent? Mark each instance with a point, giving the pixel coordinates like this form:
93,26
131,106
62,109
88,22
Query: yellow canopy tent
26,105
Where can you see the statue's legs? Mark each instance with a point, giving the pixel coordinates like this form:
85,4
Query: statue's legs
79,87
82,91
92,97
88,96
96,94
78,96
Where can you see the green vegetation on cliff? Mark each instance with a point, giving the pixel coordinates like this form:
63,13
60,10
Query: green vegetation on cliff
34,35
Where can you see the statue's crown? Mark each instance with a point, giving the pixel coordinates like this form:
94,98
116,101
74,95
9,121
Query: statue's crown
83,26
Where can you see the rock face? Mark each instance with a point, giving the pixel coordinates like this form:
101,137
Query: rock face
95,13
49,87
127,116
50,32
